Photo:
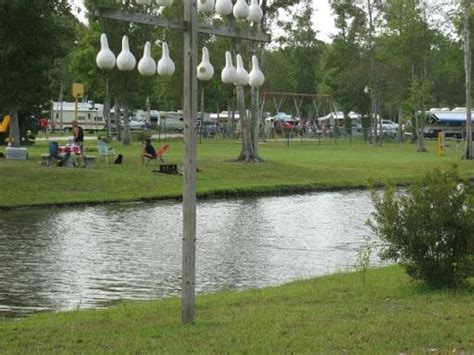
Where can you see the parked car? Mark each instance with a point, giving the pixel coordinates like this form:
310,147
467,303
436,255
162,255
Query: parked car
389,128
137,123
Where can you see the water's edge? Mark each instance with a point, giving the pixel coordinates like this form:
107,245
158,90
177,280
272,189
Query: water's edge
274,191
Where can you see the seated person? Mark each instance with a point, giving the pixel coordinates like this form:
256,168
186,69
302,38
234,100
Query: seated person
148,151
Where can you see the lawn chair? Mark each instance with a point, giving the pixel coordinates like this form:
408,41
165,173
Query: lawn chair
159,154
53,155
161,151
105,152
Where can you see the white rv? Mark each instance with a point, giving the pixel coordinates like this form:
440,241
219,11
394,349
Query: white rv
89,115
172,121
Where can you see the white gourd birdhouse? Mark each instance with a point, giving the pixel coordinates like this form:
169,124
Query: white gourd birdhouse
255,12
143,2
242,77
224,7
105,58
164,2
146,65
126,60
256,77
206,6
165,64
229,73
205,70
241,9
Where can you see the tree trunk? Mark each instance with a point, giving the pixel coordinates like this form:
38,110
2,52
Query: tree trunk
248,124
14,126
467,69
126,126
379,118
106,112
374,118
420,131
118,124
400,130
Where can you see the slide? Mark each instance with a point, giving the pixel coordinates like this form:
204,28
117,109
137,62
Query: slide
4,125
4,128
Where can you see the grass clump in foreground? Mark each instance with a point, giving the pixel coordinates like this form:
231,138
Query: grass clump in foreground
331,314
303,166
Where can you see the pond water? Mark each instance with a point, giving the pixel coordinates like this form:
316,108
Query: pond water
82,257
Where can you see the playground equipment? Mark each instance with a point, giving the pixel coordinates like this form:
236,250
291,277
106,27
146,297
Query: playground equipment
305,110
4,129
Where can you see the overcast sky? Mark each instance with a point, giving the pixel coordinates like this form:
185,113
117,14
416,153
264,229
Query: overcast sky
323,21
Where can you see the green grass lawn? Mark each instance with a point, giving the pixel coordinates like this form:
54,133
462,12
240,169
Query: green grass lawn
300,167
331,314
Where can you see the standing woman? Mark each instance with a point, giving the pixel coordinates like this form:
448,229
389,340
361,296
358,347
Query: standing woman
79,139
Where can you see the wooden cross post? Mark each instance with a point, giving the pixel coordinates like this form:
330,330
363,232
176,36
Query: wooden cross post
190,156
191,28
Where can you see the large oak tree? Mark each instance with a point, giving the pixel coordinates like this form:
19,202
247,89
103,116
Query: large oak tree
32,36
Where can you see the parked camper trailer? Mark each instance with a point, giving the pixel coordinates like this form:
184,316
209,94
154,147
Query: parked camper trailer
172,121
451,123
152,120
89,115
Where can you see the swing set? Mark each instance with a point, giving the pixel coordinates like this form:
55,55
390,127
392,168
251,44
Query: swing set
293,113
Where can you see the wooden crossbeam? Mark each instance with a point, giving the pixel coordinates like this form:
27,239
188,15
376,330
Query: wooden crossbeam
154,20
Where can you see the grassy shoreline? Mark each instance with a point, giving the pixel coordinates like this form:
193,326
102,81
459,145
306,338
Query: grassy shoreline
302,167
329,314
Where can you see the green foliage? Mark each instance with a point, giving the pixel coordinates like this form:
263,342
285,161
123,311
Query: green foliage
429,230
140,136
363,258
32,37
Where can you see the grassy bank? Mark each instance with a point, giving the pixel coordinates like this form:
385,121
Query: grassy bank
300,167
332,314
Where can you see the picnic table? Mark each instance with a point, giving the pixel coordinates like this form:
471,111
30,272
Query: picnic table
65,151
69,148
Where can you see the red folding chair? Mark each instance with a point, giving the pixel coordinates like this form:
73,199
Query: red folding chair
162,150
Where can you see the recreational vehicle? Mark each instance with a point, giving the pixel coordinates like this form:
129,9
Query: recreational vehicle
89,115
451,123
152,120
172,121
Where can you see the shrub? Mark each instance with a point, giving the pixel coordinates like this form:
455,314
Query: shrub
140,136
429,230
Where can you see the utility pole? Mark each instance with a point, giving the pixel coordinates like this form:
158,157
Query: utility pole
191,28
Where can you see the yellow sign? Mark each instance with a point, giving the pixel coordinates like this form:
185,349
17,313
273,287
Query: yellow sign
77,90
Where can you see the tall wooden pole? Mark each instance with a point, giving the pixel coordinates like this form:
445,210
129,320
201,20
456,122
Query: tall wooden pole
190,156
468,69
191,28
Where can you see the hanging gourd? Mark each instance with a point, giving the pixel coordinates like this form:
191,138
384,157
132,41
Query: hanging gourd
255,12
205,6
224,7
126,60
256,77
241,9
105,58
146,65
205,70
242,77
143,2
165,64
229,73
164,2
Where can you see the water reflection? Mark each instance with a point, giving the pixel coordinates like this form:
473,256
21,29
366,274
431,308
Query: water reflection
58,259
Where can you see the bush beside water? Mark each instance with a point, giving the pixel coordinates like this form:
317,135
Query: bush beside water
430,230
